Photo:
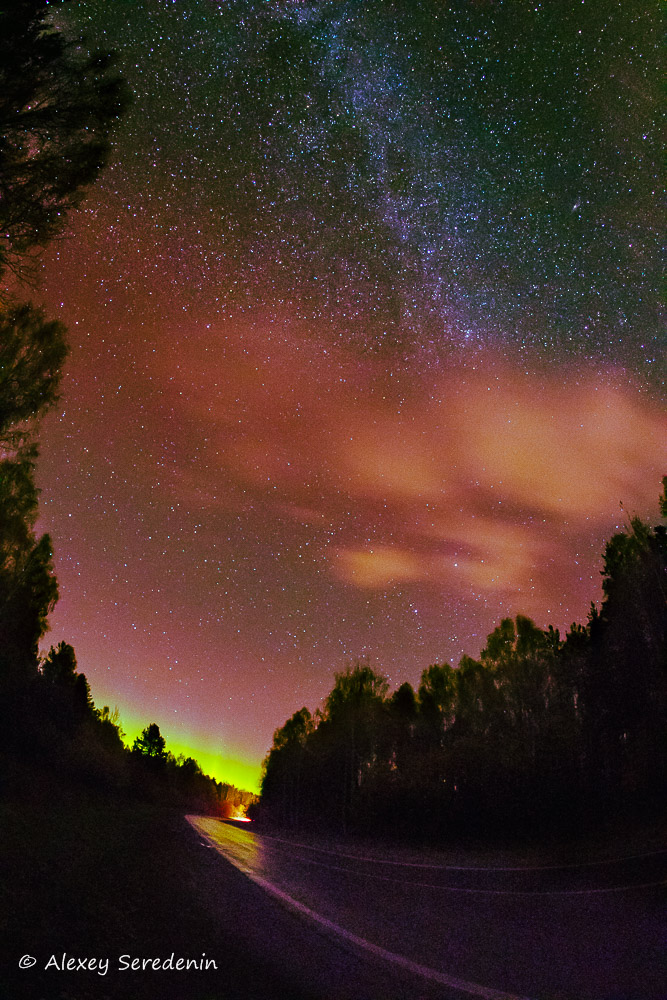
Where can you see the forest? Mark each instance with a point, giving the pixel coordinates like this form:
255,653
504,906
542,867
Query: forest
52,727
542,734
58,106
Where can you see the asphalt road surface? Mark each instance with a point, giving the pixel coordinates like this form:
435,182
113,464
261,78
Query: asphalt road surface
592,931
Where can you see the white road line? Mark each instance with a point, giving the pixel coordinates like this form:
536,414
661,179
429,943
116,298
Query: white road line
453,982
630,887
483,892
466,868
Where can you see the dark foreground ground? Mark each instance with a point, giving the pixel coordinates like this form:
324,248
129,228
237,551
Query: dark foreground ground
87,877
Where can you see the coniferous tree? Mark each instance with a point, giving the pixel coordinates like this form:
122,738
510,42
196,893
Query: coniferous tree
151,743
58,104
28,587
539,733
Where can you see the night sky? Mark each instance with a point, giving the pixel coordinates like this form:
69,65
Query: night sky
366,346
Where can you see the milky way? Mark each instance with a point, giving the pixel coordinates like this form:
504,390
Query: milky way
366,344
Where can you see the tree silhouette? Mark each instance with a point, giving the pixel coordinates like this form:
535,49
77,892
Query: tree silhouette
625,697
437,696
663,498
150,743
57,107
353,713
28,587
59,665
283,767
539,733
32,352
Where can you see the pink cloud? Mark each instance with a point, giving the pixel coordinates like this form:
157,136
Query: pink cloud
473,479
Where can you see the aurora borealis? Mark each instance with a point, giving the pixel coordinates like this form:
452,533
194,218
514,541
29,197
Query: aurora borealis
366,345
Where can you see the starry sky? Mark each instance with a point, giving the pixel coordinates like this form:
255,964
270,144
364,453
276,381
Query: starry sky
367,349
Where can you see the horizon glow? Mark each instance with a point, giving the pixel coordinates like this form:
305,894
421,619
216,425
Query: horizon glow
367,348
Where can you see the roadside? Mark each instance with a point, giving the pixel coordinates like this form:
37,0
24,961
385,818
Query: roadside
602,846
86,876
89,877
93,876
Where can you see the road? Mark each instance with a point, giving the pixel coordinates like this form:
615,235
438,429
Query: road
596,931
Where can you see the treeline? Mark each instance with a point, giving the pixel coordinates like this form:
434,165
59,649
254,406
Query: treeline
182,780
50,725
58,106
541,732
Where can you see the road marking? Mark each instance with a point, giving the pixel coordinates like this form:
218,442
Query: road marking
467,868
462,889
483,892
443,978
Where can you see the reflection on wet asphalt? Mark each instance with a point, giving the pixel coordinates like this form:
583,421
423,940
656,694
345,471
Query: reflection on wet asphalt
575,932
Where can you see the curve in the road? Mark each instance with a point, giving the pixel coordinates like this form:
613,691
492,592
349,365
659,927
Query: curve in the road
486,892
469,868
443,978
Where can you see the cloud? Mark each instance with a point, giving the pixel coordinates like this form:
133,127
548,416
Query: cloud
535,444
380,566
491,481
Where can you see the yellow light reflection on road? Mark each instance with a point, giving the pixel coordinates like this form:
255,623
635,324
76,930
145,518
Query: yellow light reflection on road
241,846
